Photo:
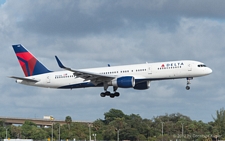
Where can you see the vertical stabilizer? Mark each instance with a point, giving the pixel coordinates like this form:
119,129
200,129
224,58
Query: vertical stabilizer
29,64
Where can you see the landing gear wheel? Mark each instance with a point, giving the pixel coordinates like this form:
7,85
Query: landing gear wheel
187,87
117,94
102,94
112,95
107,93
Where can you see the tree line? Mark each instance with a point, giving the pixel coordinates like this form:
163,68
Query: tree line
118,126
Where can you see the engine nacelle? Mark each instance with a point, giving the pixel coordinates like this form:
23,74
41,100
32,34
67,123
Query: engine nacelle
142,86
124,82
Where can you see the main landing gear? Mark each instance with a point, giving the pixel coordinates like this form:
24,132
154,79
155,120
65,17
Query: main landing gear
107,93
188,82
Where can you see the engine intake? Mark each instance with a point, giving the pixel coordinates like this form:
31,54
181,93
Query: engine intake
124,82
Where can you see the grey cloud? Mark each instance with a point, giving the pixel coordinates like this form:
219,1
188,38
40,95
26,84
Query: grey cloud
94,33
74,18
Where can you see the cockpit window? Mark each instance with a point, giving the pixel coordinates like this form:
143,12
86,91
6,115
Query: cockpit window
201,65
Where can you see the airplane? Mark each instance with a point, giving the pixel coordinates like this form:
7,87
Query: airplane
136,76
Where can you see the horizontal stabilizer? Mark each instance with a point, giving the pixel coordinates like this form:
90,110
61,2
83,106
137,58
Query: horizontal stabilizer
25,79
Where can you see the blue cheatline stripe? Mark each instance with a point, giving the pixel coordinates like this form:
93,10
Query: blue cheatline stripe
80,85
89,84
26,63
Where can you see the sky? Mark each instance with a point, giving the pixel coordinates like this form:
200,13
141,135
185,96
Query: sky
94,33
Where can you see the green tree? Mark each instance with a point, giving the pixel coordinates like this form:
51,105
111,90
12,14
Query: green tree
109,132
29,130
131,134
3,129
131,127
98,127
15,131
113,114
68,121
220,121
38,133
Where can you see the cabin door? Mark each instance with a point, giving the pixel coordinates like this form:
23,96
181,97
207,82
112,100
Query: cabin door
189,67
149,70
48,79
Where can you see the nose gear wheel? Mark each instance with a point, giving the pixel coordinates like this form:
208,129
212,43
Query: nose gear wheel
188,83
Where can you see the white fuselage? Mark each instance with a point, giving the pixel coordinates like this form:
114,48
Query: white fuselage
141,72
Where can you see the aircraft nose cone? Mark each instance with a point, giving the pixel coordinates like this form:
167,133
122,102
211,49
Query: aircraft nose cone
209,71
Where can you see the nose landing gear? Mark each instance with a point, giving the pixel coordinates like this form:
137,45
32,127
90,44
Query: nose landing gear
188,82
187,87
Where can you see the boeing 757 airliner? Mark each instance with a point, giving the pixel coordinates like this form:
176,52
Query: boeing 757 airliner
137,76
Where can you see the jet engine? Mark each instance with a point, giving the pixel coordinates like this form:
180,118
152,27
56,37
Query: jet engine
142,86
124,82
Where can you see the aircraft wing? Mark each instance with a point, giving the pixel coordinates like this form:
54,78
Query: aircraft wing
93,77
23,78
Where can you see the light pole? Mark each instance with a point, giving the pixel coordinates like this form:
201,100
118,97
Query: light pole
94,135
182,130
52,119
59,131
6,133
52,131
118,134
162,130
89,125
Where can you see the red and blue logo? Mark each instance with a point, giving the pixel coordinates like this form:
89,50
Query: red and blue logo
29,64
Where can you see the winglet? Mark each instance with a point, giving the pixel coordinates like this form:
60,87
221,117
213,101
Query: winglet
59,62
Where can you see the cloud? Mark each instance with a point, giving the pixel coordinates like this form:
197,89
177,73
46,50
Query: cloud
74,18
88,34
